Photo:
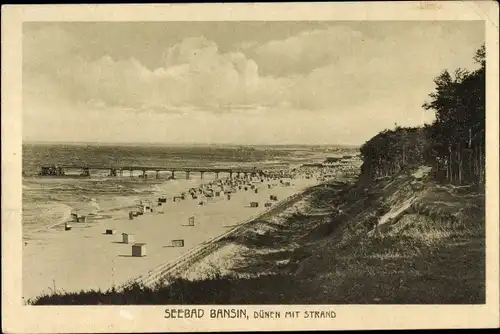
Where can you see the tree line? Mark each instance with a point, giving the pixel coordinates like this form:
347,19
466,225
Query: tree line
454,144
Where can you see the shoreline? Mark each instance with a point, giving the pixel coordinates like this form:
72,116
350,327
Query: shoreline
45,258
109,212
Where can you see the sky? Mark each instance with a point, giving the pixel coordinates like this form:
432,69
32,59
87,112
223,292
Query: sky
235,82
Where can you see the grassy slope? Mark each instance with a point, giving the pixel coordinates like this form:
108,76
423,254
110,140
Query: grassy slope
431,253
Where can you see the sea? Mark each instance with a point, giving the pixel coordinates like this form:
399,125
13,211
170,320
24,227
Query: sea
48,201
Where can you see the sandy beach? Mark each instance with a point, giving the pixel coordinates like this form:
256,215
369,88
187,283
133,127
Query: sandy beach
87,258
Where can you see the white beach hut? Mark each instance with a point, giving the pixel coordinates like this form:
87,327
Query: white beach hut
128,238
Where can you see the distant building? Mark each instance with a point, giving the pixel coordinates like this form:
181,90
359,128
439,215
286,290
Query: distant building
332,160
317,165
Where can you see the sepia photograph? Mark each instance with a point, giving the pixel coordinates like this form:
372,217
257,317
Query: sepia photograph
253,162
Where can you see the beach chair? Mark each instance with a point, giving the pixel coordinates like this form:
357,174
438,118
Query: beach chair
139,250
177,243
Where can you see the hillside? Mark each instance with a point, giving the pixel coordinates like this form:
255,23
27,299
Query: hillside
400,239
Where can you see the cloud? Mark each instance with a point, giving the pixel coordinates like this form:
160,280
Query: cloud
340,68
195,72
378,75
322,68
306,51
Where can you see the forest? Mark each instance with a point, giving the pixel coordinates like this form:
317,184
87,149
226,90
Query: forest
453,145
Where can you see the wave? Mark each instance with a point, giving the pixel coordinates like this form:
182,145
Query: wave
45,216
48,205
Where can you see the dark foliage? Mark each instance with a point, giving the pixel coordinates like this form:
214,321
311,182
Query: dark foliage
454,144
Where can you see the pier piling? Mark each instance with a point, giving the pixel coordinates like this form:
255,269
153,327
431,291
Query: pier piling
55,171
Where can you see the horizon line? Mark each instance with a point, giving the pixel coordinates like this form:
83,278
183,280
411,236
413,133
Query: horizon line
177,144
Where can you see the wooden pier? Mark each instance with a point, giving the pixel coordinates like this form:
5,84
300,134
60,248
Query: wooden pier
61,171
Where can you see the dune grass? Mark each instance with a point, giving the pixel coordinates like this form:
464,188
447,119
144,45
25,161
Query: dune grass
433,253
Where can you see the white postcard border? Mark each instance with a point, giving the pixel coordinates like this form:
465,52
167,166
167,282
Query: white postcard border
51,319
